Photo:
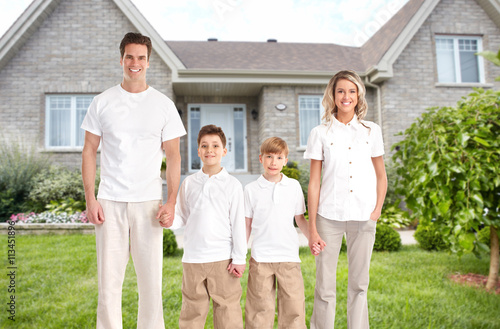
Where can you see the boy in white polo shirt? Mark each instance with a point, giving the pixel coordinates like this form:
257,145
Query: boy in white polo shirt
210,205
271,204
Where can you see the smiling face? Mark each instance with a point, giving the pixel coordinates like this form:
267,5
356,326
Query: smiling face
346,99
273,164
135,63
211,150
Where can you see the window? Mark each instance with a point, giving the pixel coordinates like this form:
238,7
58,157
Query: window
456,59
310,112
63,118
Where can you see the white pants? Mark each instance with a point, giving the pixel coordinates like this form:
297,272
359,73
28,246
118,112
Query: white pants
360,237
129,228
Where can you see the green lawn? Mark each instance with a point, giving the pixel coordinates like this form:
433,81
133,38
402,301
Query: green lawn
56,287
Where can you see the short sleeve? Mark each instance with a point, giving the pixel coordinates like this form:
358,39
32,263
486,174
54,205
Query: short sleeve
173,127
314,148
378,143
248,203
91,121
300,205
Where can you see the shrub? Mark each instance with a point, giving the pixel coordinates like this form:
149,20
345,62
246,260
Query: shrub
386,238
291,170
169,243
483,236
394,216
57,186
19,164
429,237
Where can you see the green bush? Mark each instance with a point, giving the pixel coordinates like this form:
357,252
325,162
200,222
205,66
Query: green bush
429,237
57,186
19,164
386,238
291,170
394,216
169,243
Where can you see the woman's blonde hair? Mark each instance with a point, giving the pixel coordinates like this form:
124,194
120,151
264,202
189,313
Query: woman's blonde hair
329,96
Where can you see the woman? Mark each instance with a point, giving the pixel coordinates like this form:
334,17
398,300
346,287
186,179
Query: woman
348,199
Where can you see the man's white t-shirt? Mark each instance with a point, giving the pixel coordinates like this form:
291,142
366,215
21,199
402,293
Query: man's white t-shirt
132,127
272,207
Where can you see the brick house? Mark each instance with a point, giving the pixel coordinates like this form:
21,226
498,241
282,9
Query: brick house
61,53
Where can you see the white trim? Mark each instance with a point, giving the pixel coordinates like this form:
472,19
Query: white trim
456,54
245,136
74,129
321,112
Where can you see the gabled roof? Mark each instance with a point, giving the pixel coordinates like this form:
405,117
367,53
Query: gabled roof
31,19
210,66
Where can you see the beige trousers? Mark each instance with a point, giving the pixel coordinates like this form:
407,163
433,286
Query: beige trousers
360,237
129,228
203,281
261,293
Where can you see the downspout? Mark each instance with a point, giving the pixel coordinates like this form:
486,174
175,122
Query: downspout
379,100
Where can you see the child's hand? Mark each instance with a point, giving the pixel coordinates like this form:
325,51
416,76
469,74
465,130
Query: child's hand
236,270
166,221
315,249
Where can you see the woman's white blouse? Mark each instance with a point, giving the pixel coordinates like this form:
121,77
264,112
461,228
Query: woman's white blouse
348,188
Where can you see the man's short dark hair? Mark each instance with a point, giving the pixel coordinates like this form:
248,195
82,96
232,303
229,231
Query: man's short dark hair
135,38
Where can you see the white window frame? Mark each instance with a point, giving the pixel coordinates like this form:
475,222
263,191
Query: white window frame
321,113
75,129
456,55
206,107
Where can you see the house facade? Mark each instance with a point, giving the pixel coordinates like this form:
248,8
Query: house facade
61,53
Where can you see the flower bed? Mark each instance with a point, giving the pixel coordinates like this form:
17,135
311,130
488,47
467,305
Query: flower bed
48,217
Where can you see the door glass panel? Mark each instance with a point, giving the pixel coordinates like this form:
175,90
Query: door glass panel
239,138
193,136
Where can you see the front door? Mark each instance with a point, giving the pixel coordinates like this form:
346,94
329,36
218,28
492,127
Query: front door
231,118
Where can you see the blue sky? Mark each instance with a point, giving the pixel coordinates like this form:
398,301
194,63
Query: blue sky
344,22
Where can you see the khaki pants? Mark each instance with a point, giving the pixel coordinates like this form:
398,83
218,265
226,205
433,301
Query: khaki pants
261,292
200,282
360,237
129,228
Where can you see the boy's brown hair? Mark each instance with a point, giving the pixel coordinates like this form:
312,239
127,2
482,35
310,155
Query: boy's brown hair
212,130
136,38
274,145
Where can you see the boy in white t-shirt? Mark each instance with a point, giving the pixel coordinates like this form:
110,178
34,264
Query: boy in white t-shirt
210,205
271,204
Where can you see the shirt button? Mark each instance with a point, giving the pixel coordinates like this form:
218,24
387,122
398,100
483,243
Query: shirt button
331,144
349,147
350,176
350,162
351,190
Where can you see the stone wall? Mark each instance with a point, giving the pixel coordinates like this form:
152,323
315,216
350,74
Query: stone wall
75,51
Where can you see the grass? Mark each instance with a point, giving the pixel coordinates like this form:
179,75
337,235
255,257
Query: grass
56,287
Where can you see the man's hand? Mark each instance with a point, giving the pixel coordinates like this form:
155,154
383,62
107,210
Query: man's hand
166,214
95,213
236,270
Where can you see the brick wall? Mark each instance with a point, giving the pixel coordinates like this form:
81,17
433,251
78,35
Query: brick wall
413,88
75,50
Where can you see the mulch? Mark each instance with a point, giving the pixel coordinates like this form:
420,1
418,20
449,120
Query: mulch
474,280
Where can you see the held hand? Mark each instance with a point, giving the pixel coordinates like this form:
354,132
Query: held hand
236,270
95,213
375,215
316,244
166,214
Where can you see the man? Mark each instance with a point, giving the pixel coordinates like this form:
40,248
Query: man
134,122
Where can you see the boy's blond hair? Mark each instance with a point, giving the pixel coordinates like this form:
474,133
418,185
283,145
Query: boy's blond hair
274,145
212,130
